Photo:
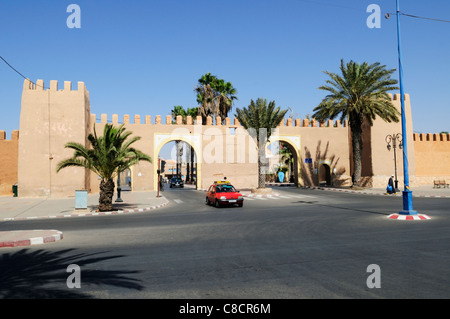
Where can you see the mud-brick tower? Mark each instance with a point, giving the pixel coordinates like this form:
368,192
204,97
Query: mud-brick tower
50,118
378,160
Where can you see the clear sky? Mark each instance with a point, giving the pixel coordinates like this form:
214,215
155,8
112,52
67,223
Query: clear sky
144,57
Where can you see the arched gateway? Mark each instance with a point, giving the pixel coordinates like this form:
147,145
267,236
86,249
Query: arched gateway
293,142
52,117
192,140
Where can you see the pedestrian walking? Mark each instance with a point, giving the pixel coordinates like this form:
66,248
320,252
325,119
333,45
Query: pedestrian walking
390,189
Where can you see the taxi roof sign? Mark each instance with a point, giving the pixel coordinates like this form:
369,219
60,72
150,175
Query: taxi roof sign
221,182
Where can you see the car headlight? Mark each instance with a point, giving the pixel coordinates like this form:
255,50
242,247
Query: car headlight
223,198
240,198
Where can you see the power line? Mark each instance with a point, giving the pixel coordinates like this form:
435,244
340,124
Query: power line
416,17
19,72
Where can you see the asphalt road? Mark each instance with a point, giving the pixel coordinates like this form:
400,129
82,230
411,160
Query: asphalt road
302,244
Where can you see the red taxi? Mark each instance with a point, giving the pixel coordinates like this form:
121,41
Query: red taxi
223,193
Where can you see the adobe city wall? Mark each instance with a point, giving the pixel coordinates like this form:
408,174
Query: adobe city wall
230,151
432,153
52,117
9,150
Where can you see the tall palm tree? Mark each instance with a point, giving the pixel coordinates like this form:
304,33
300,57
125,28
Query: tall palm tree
107,156
215,97
260,115
226,94
359,95
206,96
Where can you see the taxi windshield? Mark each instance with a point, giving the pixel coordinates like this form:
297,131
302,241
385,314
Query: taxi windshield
225,189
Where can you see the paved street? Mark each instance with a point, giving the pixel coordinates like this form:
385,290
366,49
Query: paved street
301,243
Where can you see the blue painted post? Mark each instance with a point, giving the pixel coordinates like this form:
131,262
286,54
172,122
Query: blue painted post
407,194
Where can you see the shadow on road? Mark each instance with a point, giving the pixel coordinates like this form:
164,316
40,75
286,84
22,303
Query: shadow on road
42,274
355,209
338,207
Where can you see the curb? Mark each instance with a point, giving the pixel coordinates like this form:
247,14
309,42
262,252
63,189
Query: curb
118,212
32,240
409,217
281,184
370,193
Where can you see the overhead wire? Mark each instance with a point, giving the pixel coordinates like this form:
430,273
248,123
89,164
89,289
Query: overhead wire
426,18
15,70
416,17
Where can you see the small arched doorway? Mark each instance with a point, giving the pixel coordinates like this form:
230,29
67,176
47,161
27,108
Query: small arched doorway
324,174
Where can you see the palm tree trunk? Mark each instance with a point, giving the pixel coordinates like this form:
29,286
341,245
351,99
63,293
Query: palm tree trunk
192,164
106,195
261,171
357,155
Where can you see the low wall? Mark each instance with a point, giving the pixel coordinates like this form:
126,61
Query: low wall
432,157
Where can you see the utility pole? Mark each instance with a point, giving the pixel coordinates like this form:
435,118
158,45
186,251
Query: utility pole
159,174
407,194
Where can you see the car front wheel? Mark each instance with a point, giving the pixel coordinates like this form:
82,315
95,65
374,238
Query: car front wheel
217,203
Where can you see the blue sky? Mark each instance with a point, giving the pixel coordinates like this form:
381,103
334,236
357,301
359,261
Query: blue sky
144,57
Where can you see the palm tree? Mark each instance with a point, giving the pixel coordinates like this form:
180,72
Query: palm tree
215,97
206,96
359,95
178,110
257,116
108,155
226,94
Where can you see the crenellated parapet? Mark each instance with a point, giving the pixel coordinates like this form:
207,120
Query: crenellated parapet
396,97
39,85
229,122
427,137
14,135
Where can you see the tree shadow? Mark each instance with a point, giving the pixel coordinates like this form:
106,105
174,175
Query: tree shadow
308,173
42,274
355,209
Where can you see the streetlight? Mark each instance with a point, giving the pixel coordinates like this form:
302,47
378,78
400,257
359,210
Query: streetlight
394,138
407,194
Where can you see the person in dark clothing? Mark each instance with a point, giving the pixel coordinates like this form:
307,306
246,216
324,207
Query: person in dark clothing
390,189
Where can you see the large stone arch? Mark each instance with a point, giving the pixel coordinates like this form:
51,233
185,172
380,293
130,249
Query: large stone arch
194,140
294,142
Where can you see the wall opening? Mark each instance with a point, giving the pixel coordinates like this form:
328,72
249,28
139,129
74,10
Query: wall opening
282,157
324,175
180,162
